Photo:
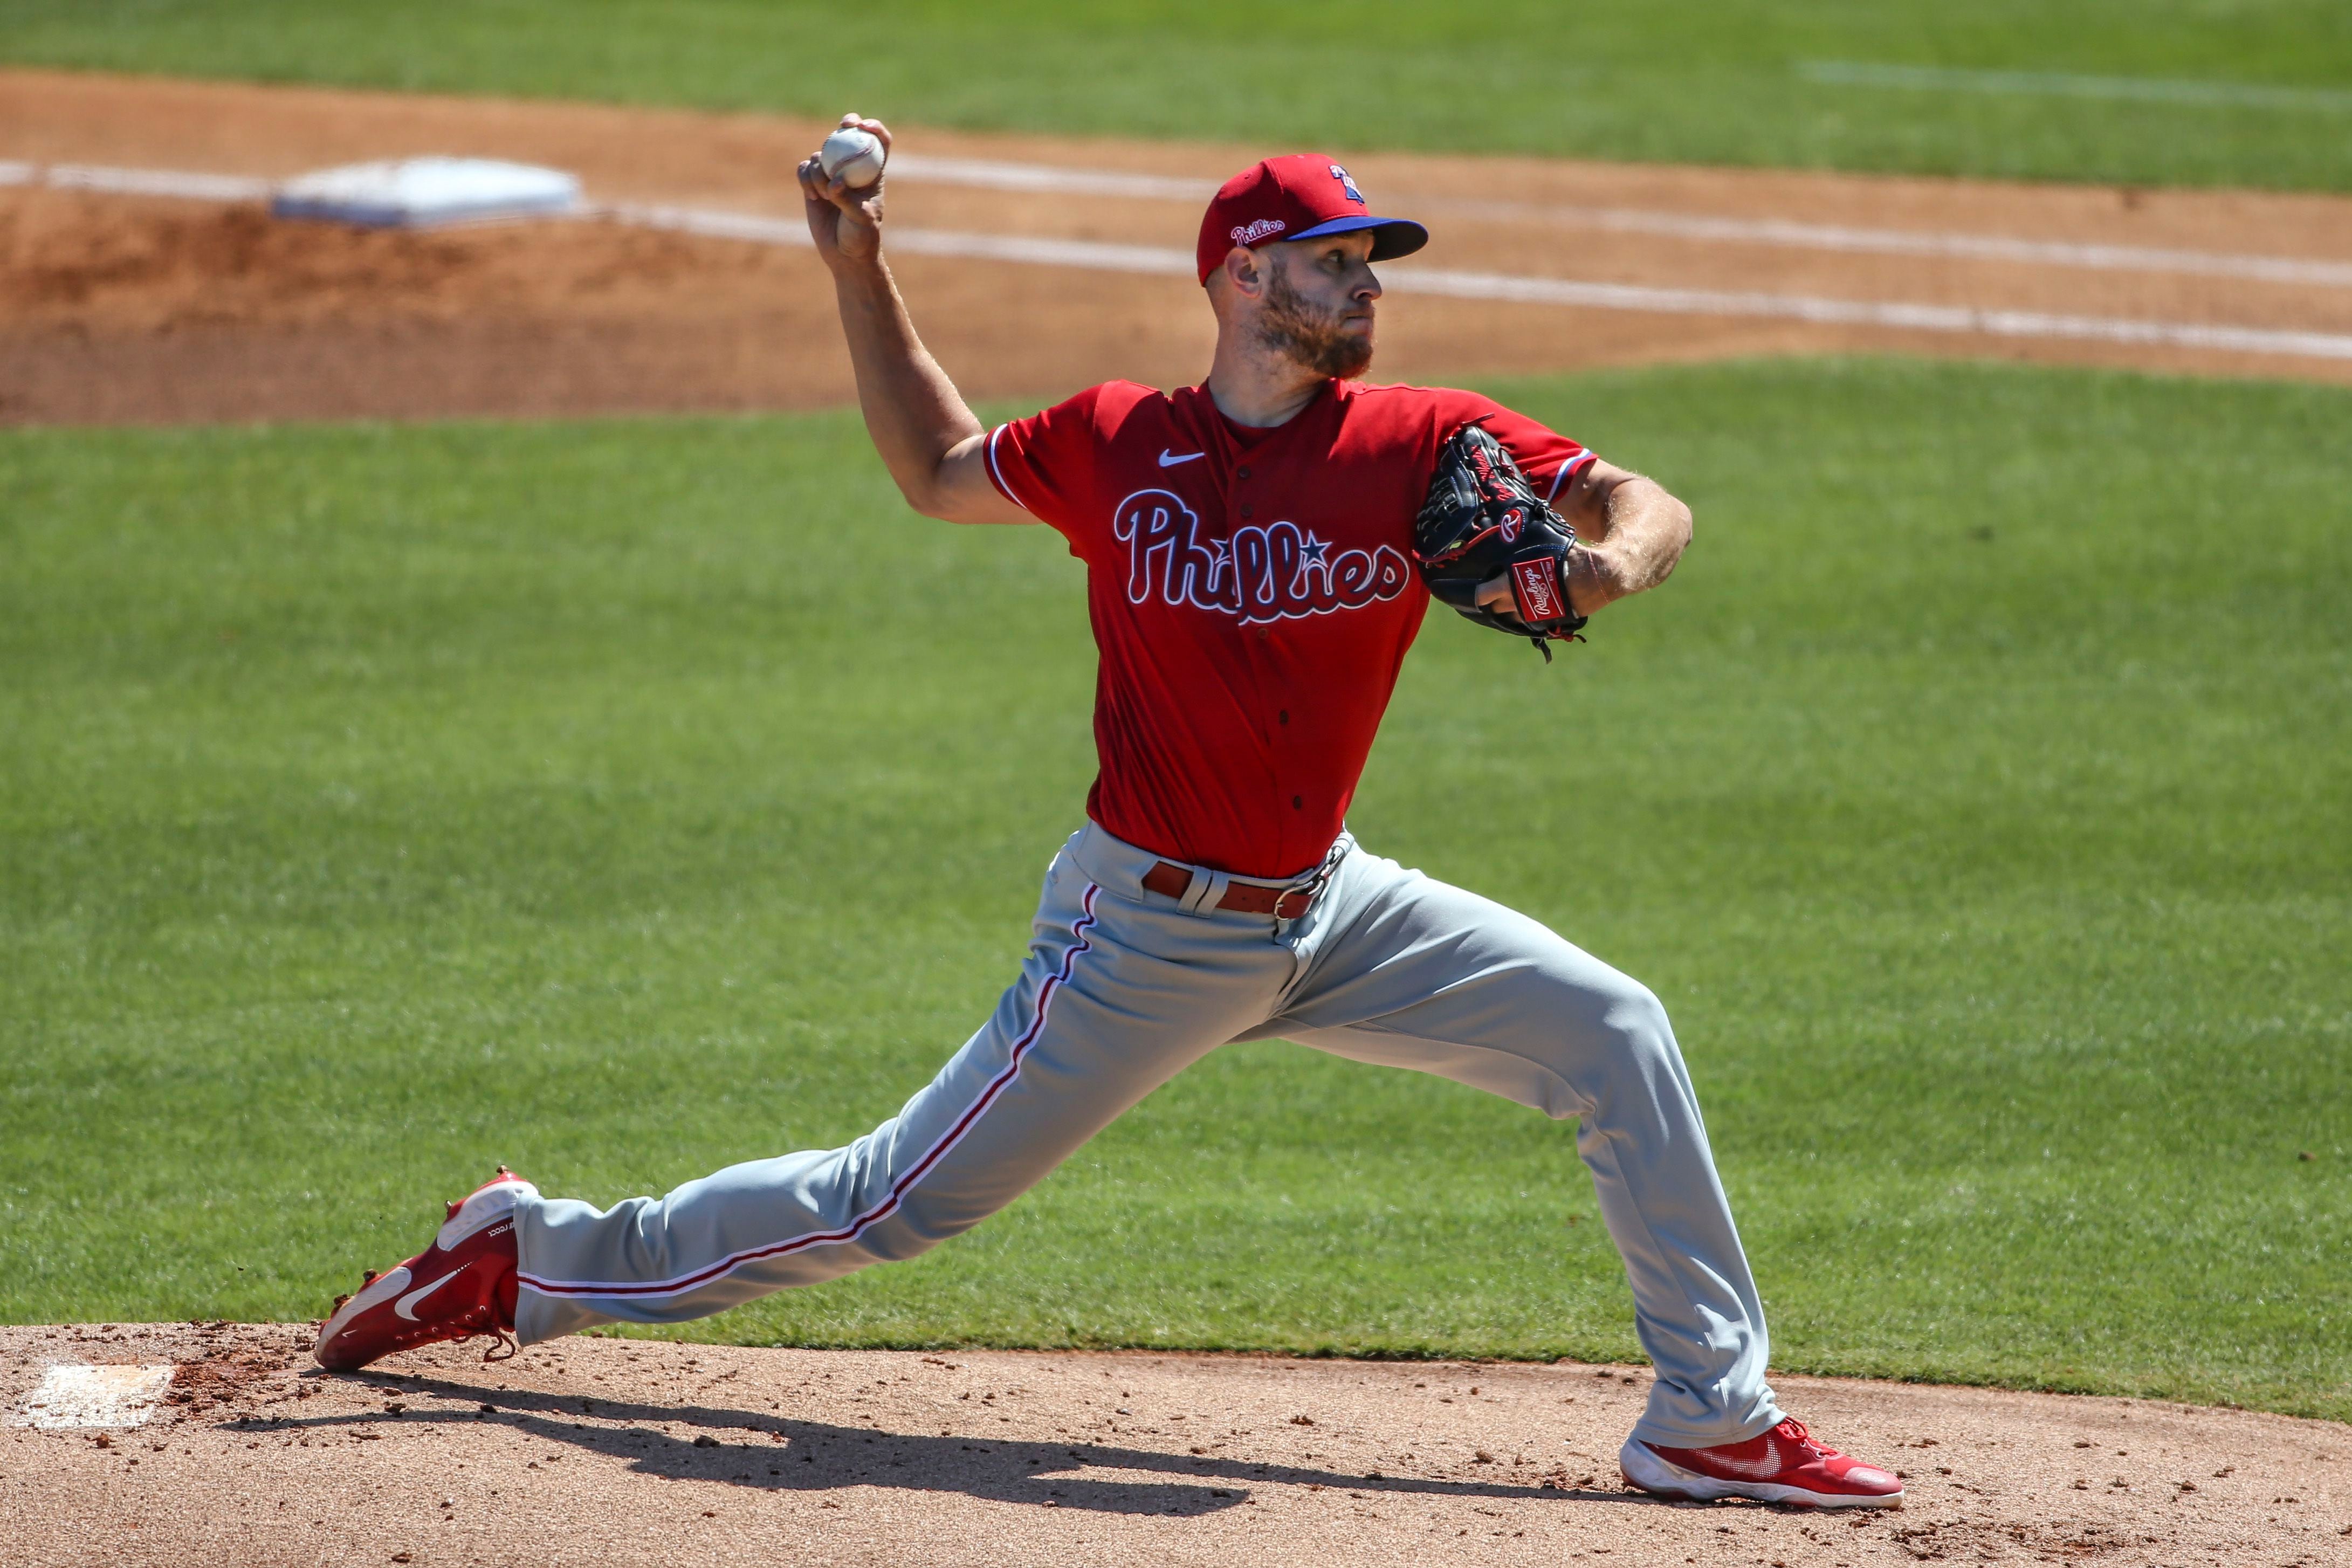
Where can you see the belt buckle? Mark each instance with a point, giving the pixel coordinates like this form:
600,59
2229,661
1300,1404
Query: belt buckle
1304,892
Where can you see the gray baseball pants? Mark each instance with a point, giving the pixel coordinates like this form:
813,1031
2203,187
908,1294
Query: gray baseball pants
1124,988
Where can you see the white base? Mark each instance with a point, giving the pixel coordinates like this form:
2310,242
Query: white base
72,1395
425,193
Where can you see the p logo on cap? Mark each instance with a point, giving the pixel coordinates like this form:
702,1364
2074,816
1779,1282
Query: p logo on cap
1305,195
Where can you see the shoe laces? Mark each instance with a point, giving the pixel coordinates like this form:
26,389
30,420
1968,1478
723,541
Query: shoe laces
478,1325
1795,1432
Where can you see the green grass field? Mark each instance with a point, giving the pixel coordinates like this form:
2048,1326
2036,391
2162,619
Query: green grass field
2268,100
379,803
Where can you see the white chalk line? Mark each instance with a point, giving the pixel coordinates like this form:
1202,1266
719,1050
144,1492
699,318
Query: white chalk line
1048,179
1097,256
2070,84
1910,242
78,1395
1044,179
1963,319
1093,256
156,182
1040,178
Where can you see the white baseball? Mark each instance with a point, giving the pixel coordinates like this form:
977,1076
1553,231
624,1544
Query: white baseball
852,156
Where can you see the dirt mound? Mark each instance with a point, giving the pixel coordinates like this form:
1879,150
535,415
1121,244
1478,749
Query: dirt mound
68,258
626,1451
116,266
225,1380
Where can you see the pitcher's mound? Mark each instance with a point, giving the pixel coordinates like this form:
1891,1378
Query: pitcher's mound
618,1452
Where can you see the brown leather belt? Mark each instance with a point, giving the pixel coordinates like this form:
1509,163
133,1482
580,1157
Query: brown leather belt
1249,898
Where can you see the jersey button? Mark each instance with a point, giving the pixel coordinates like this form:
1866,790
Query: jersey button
1243,473
1283,717
1298,803
1245,512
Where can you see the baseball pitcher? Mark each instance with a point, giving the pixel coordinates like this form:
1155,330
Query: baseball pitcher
1260,552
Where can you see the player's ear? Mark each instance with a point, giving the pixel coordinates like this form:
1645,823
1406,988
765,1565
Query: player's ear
1244,269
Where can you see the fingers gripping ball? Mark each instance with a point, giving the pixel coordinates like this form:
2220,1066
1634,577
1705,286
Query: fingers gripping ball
1481,520
852,156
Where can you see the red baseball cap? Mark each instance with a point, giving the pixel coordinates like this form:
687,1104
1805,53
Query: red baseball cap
1305,195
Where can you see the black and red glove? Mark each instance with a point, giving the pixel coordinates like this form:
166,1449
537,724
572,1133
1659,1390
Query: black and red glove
1481,520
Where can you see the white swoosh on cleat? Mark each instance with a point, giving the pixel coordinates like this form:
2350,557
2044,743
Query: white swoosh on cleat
370,1296
406,1306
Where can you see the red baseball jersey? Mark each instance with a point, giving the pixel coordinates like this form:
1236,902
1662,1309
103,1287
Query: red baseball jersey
1252,595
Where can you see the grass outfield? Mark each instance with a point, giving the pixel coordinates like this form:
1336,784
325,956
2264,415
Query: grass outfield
379,803
2267,100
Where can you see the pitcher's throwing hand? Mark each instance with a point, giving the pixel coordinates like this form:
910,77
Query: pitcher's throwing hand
845,222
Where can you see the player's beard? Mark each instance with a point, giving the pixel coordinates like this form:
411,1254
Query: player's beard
1287,324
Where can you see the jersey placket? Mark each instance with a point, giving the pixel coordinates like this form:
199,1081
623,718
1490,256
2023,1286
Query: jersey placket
1253,500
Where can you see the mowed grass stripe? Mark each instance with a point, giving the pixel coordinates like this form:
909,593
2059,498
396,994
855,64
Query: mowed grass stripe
2184,93
623,799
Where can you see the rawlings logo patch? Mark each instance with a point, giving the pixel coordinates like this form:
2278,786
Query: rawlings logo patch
1513,520
1251,233
1536,584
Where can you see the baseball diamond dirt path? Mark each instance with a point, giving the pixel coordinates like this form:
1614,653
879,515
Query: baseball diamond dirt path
629,1451
121,307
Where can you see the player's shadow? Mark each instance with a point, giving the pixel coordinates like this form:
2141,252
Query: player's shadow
779,1453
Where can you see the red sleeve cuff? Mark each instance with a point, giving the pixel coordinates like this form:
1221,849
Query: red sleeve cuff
1560,478
996,473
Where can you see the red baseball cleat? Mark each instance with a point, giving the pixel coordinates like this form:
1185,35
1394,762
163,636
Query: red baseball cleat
462,1285
1784,1465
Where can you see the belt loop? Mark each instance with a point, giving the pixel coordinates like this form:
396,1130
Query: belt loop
1094,852
1207,888
1340,848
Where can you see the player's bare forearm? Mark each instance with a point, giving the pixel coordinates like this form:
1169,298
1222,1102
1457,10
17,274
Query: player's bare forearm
927,435
1630,534
913,412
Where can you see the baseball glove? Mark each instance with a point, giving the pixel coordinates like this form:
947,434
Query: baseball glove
1481,520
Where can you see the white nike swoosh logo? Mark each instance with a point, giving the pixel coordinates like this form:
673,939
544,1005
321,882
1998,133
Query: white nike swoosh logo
1169,459
406,1306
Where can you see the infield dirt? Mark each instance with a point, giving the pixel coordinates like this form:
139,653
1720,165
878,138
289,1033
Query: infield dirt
119,308
626,1451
